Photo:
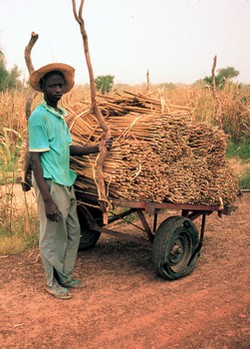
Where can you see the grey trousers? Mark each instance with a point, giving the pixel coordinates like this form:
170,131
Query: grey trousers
58,241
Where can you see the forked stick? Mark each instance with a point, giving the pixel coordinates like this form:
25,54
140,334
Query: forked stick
27,55
103,151
26,170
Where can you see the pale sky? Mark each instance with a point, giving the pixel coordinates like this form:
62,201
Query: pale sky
175,39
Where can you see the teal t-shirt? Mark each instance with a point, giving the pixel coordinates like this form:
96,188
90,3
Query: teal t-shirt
49,135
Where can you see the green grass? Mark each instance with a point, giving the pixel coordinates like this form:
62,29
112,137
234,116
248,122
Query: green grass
244,180
240,151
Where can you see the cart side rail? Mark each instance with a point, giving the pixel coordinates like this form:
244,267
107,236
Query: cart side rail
153,207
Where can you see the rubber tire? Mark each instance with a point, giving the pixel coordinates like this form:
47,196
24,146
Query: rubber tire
88,237
175,232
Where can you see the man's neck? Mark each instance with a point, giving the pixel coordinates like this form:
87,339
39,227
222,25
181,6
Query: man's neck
52,104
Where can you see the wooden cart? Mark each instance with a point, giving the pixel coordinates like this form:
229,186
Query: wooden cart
176,242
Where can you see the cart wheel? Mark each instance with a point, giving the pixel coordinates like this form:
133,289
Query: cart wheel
88,237
173,246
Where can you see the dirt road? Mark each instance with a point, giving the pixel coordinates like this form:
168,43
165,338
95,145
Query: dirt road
126,306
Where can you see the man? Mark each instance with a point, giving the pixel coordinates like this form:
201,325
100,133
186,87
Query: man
50,146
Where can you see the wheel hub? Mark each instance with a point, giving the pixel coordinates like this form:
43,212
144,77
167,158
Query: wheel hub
176,252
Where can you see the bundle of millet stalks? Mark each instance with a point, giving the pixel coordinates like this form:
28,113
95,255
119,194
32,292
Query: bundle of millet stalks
157,156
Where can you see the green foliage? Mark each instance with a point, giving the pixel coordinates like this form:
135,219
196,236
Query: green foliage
238,150
209,81
227,73
241,152
104,83
9,80
223,76
244,180
3,72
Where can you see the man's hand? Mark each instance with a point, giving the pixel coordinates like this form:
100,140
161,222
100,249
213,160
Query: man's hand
108,143
25,186
52,211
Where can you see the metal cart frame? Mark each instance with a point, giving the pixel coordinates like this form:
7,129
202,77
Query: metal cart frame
176,241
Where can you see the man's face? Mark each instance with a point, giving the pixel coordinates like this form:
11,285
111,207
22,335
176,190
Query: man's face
54,85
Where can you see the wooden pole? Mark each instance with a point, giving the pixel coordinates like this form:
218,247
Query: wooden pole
27,55
215,93
103,151
26,169
148,81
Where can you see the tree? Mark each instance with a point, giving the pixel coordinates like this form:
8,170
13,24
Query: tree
224,75
8,80
3,72
227,73
104,83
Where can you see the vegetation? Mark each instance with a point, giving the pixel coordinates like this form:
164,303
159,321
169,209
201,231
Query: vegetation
22,235
104,83
224,75
241,151
244,180
9,80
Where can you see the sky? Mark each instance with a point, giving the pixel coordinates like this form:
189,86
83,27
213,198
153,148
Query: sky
176,40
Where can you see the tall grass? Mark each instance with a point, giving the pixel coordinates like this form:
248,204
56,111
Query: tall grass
18,223
234,108
21,235
12,115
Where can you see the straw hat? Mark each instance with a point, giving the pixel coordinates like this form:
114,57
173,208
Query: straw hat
67,71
